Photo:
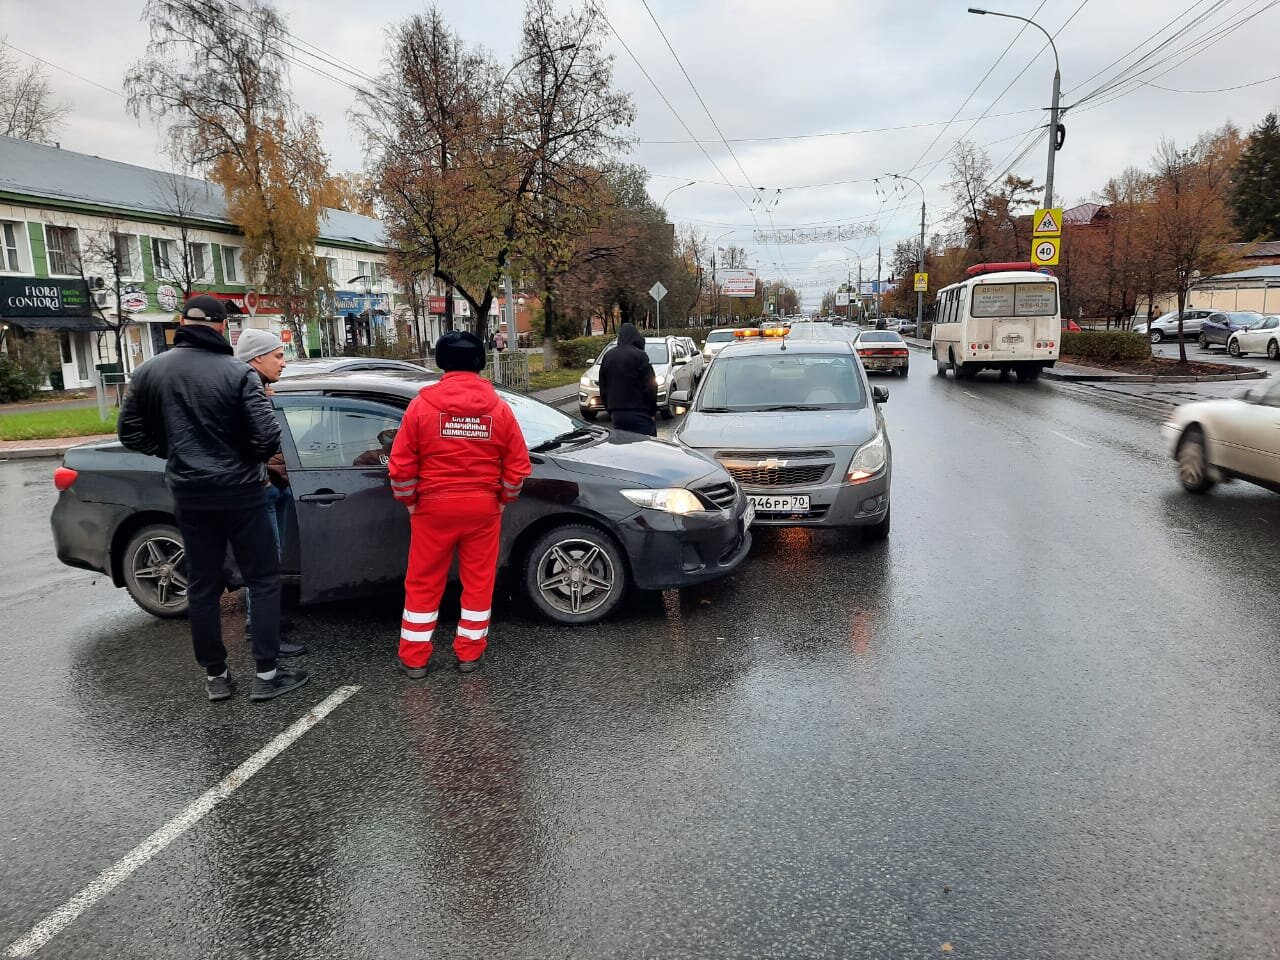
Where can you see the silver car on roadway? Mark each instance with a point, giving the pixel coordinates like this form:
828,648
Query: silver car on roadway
799,427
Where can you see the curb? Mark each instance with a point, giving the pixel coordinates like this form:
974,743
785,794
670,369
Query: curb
1150,378
556,399
24,450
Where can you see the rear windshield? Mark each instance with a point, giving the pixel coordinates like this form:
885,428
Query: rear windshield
880,336
780,381
1015,300
716,336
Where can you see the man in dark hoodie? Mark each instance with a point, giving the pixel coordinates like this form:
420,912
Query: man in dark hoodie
207,415
458,459
628,386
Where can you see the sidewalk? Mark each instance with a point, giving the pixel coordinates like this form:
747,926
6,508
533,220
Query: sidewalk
1081,373
53,449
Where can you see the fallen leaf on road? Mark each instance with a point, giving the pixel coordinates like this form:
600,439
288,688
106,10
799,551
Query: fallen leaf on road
947,948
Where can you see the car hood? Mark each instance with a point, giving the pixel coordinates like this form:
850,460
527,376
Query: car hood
1206,410
637,459
834,428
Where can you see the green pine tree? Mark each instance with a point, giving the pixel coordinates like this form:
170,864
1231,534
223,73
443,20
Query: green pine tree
1255,195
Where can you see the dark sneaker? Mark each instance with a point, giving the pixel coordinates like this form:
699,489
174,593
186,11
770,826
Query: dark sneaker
281,683
219,688
291,649
413,673
469,666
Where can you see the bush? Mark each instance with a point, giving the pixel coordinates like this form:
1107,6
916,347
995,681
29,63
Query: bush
1115,346
578,353
16,382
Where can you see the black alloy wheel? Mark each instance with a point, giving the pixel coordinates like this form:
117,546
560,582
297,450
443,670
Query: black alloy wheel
1233,347
1273,350
155,571
1204,342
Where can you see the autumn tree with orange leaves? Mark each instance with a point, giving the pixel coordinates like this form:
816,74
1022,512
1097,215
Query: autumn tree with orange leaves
214,70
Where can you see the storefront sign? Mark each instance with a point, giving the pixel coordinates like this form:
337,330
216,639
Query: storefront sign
168,298
348,301
250,302
133,299
32,297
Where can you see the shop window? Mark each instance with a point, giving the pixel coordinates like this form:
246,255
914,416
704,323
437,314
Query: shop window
63,248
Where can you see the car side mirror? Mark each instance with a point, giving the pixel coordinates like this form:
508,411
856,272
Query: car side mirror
680,397
880,394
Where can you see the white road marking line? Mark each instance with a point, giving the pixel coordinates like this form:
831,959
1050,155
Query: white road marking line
108,880
1070,439
973,395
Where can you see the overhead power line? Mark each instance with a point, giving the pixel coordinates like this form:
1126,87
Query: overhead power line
72,73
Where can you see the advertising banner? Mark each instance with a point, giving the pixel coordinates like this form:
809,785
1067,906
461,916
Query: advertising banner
31,297
739,283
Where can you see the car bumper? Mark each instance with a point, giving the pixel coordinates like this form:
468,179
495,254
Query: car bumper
82,532
830,505
667,551
886,364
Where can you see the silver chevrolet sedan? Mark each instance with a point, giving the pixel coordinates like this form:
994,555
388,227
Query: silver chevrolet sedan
800,429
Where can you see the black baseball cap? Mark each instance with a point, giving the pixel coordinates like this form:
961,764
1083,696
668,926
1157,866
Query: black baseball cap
205,308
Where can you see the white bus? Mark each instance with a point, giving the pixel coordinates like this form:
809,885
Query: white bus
1003,316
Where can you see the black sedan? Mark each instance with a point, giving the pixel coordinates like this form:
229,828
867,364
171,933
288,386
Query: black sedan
603,511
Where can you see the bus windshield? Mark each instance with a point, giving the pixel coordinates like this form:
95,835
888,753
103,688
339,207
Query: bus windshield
1014,300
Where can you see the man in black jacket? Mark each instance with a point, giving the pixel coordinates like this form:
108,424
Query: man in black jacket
207,415
628,387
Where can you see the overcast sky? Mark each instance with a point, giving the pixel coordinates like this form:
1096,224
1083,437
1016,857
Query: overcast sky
788,71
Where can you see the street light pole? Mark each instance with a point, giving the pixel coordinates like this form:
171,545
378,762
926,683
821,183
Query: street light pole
1057,91
920,266
691,183
715,293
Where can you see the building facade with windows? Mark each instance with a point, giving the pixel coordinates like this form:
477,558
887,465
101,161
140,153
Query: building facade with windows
84,241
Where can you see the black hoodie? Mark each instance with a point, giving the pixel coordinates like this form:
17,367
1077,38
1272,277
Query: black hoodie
627,381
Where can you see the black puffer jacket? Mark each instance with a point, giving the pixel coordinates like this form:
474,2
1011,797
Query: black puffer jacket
627,381
207,414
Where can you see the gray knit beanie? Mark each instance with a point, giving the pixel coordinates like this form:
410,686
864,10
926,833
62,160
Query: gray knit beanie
254,343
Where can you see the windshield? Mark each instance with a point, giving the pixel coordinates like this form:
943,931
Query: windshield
879,336
539,422
1015,300
773,381
719,336
657,352
1244,317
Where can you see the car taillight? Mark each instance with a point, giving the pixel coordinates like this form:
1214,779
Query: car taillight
64,477
900,353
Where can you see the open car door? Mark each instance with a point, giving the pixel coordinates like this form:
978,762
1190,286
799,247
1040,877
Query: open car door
354,537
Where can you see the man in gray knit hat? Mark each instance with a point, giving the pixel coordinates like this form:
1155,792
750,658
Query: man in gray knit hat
264,351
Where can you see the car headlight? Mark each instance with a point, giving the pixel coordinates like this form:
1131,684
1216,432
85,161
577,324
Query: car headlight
869,461
662,382
671,500
586,382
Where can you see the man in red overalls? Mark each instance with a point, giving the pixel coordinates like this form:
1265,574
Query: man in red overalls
457,461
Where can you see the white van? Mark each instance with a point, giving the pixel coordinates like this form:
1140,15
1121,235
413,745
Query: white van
1003,316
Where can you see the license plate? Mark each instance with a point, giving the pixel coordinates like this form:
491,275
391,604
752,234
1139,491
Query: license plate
1012,338
876,364
785,504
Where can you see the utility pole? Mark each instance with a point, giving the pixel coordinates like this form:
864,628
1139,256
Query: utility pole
877,285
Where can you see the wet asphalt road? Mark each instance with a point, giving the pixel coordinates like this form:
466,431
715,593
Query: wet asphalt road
1043,720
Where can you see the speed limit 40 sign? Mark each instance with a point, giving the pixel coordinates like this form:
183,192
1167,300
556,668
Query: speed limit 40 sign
1044,251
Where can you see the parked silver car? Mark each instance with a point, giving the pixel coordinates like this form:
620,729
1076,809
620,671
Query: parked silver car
1165,327
672,366
799,427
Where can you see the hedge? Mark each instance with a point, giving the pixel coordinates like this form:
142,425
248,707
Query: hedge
1106,346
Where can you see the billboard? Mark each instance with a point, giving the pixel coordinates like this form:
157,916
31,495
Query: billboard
739,283
842,298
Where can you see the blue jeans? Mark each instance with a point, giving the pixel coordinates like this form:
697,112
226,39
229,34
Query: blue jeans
277,515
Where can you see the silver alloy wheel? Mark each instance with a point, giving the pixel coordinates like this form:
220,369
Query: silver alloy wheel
1157,336
575,576
1233,347
1193,465
159,563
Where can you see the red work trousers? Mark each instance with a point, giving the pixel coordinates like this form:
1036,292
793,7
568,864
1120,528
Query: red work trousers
471,526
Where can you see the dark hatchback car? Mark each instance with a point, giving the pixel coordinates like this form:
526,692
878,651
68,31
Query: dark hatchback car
1218,327
603,511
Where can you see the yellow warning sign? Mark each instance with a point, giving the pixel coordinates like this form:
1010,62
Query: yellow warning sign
1047,222
1044,251
922,283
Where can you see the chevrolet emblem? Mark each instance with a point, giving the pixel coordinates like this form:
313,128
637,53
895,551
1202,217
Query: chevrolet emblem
771,464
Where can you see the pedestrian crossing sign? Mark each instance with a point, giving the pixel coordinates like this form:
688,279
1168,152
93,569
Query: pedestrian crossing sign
1047,222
